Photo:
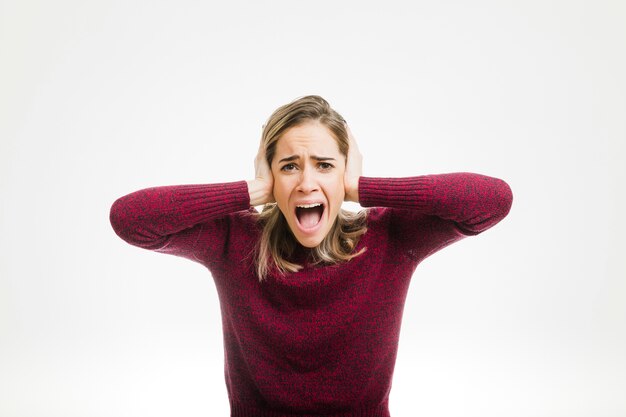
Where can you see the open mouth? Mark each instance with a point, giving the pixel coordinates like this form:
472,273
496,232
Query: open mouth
309,215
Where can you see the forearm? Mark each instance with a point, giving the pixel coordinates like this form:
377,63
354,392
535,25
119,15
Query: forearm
475,202
146,217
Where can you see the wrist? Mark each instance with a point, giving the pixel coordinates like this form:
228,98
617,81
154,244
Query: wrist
352,191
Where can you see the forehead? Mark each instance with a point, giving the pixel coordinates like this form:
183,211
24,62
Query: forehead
311,137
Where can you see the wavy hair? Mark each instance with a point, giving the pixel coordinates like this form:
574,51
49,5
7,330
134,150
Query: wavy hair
277,243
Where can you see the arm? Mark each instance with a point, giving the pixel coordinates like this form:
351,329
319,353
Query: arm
428,213
170,219
473,202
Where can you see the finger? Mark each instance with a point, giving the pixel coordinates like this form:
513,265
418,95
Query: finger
352,140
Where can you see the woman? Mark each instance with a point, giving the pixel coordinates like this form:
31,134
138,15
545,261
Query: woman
311,295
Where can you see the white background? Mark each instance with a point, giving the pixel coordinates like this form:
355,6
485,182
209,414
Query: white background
101,98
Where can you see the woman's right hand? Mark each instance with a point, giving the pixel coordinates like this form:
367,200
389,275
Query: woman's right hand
261,188
354,169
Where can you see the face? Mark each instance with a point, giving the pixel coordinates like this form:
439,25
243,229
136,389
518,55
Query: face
308,171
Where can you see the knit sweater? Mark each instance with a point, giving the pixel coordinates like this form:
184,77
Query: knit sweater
321,341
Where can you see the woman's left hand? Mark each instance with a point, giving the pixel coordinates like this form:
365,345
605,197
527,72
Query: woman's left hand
354,169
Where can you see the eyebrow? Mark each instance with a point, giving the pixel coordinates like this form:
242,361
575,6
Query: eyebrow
317,158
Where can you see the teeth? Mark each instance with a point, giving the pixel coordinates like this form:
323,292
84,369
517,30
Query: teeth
309,205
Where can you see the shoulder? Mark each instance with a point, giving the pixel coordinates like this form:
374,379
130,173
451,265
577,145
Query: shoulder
392,218
406,231
243,223
248,217
227,237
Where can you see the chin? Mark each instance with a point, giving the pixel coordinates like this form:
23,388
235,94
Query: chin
309,242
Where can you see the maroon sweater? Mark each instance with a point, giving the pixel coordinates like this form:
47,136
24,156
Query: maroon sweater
322,341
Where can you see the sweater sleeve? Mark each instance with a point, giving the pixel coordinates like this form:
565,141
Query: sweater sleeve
169,219
436,210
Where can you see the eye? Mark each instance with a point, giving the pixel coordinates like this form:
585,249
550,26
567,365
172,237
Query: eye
288,167
325,166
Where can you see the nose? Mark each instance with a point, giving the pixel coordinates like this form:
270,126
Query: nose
308,182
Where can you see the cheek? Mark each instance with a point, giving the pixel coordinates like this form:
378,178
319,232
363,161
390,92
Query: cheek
336,191
339,186
281,193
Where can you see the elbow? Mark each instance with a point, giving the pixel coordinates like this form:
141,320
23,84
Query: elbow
118,218
124,221
495,205
505,199
127,221
499,205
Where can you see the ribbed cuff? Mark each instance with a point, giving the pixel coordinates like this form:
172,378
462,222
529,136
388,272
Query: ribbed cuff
406,193
206,201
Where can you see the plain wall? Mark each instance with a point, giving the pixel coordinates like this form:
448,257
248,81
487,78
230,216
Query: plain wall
101,98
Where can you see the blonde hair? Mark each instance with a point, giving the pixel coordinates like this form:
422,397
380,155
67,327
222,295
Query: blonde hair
277,242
